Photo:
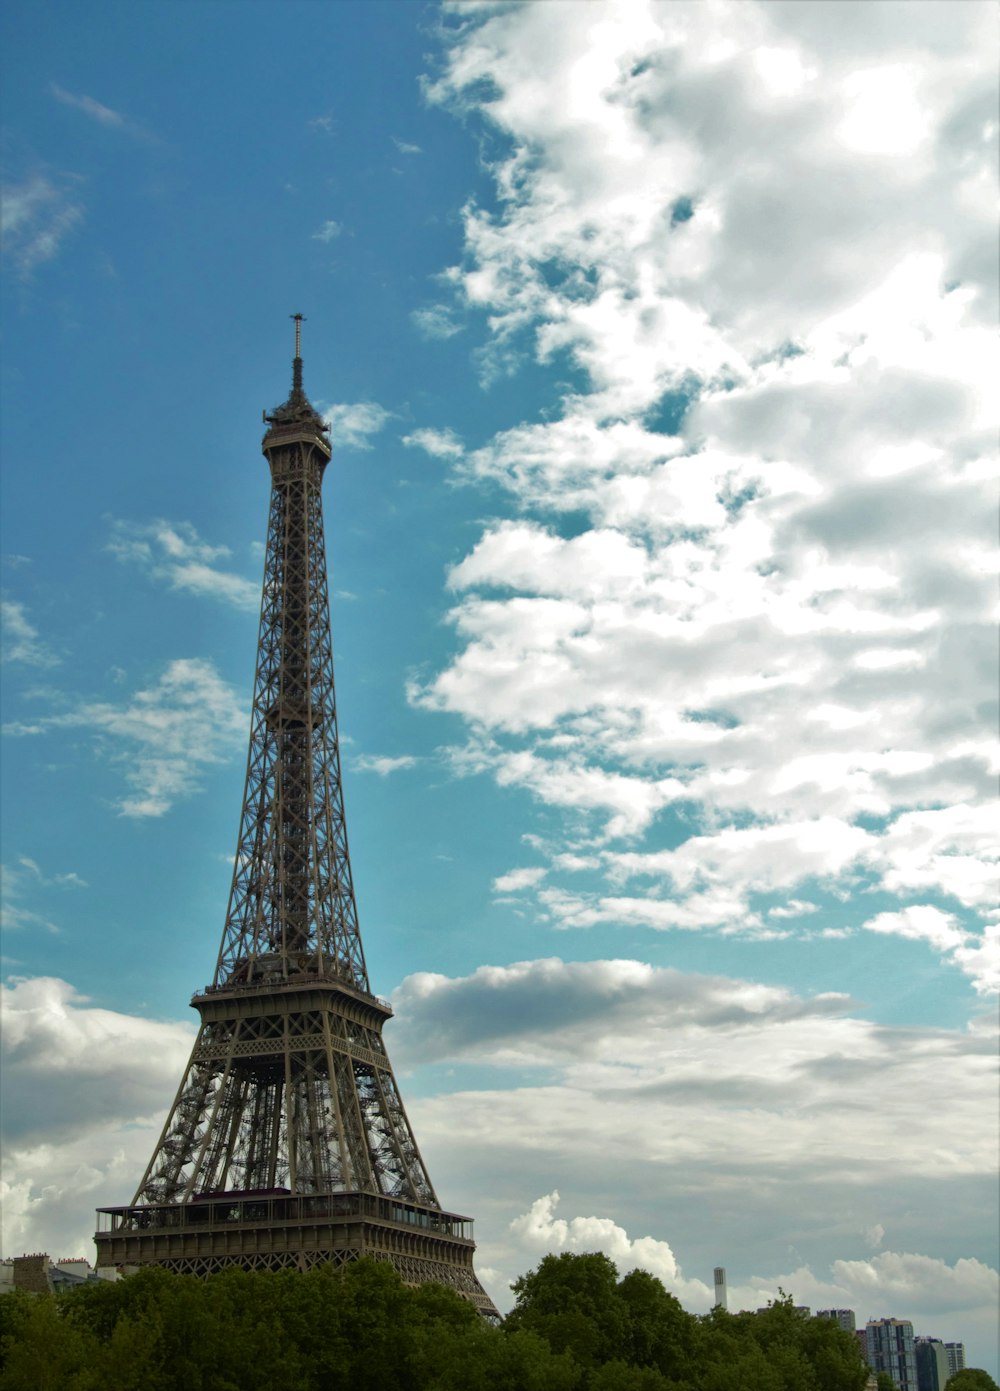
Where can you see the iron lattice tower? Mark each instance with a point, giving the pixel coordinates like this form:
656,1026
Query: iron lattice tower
287,1144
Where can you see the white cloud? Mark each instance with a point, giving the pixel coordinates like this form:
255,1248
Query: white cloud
760,858
174,552
516,879
684,1069
563,1007
923,923
955,1301
164,737
961,1296
21,642
715,1110
435,321
85,1093
979,958
794,908
57,1041
22,884
905,1280
752,581
442,444
950,850
383,764
405,147
351,425
328,232
885,113
625,804
978,955
35,216
874,1235
103,115
539,1230
519,556
99,113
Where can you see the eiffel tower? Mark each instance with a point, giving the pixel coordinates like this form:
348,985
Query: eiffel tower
287,1145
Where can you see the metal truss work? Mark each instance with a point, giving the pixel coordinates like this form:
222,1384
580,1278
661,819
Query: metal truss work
289,1089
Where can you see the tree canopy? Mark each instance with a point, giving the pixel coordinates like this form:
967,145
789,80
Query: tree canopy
575,1327
971,1379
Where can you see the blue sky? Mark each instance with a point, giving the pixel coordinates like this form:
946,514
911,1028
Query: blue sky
656,342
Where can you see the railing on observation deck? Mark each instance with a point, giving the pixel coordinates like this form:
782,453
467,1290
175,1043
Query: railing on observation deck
299,979
270,1208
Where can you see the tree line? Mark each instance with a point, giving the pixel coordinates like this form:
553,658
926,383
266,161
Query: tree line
575,1327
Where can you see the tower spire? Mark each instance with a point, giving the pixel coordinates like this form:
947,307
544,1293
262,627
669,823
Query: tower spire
297,410
297,361
287,1144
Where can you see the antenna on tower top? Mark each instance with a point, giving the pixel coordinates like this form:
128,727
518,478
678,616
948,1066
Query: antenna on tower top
298,332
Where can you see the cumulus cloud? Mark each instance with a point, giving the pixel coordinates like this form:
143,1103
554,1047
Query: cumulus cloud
352,425
743,618
175,553
687,1094
59,1052
943,849
923,1286
85,1093
163,737
663,1032
442,444
713,1110
539,1229
516,879
922,923
955,1301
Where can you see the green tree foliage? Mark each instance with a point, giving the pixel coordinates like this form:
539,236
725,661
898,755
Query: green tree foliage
971,1379
40,1351
572,1302
884,1382
575,1327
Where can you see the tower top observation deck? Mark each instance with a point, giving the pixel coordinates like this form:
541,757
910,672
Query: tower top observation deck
297,421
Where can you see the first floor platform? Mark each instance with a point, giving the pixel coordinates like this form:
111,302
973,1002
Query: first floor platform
276,1230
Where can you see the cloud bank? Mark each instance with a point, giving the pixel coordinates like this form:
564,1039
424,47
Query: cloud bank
738,633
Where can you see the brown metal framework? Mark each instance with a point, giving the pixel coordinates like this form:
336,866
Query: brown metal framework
287,1144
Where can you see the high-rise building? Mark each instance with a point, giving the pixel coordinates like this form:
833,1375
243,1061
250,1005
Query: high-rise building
889,1347
932,1364
288,1145
721,1293
843,1317
955,1353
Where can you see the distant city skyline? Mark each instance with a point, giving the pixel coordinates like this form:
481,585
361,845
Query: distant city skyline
657,342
